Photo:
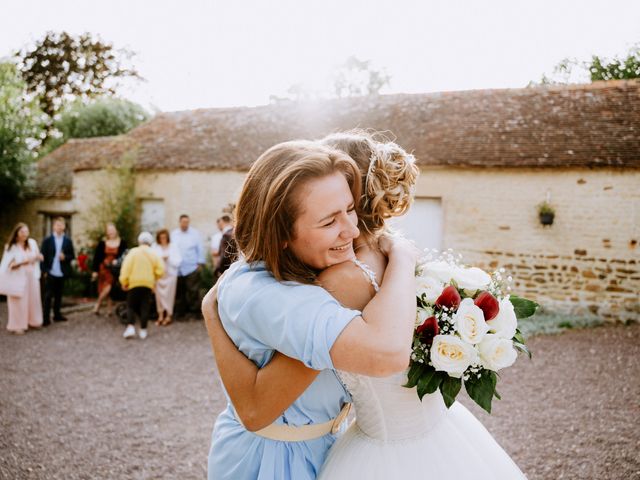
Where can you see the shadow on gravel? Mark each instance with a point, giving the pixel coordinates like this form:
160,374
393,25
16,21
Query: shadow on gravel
78,401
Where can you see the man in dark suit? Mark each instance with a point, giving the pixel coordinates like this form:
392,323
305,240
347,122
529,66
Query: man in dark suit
228,248
57,250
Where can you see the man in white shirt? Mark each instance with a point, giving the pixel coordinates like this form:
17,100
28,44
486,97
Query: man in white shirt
189,242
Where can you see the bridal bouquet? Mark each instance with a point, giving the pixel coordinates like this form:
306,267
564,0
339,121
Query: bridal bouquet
466,329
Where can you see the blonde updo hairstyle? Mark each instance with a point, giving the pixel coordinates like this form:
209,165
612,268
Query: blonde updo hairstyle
269,203
389,175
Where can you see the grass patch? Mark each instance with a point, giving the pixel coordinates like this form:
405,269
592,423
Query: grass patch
550,323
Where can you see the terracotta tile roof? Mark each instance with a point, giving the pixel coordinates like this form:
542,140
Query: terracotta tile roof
54,174
580,125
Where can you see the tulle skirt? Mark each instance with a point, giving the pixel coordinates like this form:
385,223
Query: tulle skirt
458,447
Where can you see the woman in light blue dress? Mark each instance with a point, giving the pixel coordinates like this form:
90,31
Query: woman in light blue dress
295,217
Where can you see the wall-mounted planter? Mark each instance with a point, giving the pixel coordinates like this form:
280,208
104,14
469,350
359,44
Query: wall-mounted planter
546,213
547,218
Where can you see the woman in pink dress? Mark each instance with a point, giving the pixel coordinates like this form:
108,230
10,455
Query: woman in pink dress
21,260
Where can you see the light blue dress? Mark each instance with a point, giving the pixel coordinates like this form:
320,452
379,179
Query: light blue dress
262,315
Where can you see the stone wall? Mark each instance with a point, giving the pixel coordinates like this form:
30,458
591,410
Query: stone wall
587,261
32,212
199,194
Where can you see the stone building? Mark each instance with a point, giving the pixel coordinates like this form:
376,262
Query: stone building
487,158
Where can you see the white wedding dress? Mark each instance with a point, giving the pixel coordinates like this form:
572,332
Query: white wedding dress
397,436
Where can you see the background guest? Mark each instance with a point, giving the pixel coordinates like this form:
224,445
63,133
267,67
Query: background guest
215,244
189,243
166,286
140,270
21,265
107,252
228,249
57,250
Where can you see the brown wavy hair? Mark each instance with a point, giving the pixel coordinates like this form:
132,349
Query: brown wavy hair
13,238
269,205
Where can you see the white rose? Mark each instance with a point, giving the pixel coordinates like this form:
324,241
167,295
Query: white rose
452,355
471,278
422,314
469,322
441,271
496,352
505,323
430,287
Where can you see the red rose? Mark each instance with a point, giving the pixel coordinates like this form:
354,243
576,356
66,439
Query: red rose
488,304
428,330
449,298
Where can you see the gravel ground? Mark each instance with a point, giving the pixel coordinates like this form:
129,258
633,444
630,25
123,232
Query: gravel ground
77,401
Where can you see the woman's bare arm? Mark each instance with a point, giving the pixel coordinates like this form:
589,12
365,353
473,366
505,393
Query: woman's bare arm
259,395
378,343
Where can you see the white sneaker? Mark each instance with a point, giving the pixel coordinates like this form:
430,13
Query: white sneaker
130,332
142,334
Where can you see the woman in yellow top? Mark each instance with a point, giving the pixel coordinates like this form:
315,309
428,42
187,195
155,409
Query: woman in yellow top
141,268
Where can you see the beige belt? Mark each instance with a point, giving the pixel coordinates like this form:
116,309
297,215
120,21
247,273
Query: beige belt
288,433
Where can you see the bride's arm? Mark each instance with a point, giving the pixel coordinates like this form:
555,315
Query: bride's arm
259,396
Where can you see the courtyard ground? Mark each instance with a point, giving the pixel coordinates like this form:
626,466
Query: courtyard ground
77,401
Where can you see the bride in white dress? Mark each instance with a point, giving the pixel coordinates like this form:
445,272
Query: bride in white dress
395,435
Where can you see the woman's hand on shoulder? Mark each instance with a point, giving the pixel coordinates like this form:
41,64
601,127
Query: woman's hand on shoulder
397,246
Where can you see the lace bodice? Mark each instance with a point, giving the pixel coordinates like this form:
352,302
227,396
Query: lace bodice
385,410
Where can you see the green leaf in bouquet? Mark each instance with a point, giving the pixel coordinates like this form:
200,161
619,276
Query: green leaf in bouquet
523,308
415,372
497,395
522,347
450,387
429,382
482,390
518,337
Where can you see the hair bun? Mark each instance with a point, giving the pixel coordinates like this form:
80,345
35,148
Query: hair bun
390,181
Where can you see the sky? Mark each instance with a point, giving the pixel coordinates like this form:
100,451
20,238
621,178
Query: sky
201,54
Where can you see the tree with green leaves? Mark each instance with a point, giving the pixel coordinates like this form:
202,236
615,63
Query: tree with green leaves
21,129
352,78
617,68
99,118
357,77
61,68
572,70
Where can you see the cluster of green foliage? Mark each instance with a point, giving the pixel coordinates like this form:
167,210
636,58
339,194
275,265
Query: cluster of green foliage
20,134
546,322
101,117
61,68
61,88
617,68
352,78
545,208
597,69
116,202
357,77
